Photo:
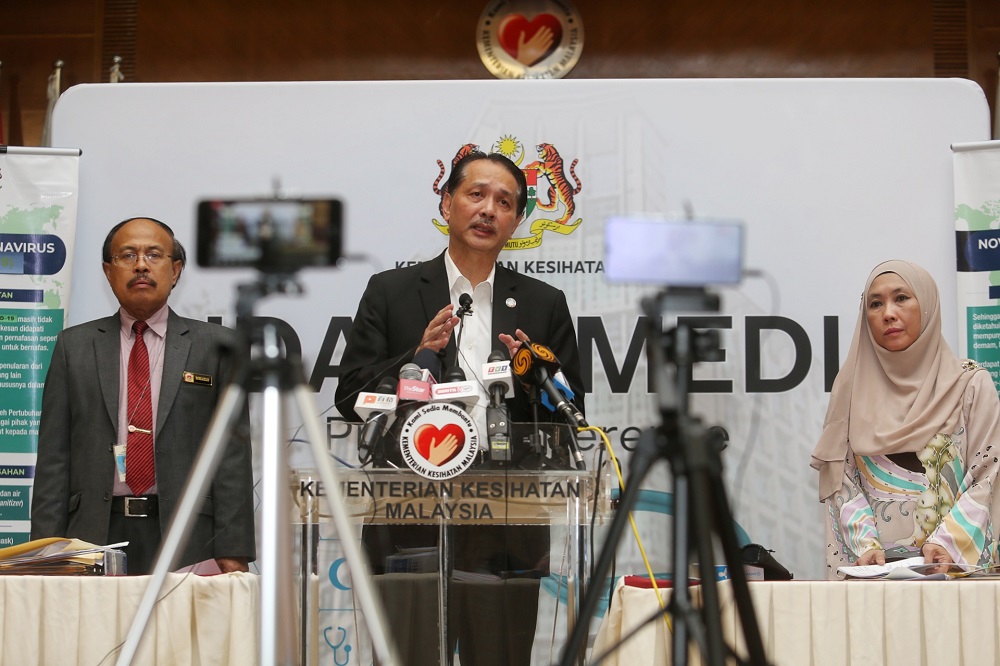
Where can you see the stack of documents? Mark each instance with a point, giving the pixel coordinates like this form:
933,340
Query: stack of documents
56,556
910,569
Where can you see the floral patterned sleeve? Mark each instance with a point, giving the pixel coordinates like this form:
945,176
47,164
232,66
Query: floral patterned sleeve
966,532
850,518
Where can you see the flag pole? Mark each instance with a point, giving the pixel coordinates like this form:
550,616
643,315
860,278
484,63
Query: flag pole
1,106
54,89
996,104
116,70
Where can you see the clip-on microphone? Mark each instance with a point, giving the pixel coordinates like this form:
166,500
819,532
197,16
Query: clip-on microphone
464,309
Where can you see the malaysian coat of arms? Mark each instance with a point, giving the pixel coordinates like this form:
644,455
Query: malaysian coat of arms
552,188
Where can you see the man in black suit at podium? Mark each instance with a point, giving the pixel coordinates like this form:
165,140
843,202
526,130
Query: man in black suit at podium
407,310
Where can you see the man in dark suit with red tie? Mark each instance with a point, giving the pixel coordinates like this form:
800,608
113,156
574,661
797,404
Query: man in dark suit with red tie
127,401
407,310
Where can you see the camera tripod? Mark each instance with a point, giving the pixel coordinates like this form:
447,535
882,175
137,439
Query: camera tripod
279,374
701,509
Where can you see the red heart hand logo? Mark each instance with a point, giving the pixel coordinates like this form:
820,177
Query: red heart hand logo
527,41
438,445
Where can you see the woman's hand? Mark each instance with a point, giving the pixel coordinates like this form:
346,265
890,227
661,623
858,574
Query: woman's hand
935,554
869,557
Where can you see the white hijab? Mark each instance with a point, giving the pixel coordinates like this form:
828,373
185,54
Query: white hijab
891,401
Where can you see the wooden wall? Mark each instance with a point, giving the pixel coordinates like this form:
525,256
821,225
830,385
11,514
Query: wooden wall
252,40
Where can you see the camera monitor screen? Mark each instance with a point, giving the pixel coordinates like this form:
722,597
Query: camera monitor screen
688,253
269,234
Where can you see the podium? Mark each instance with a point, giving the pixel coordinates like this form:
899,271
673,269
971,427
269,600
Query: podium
459,563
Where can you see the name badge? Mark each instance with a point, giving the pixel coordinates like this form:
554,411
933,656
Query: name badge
119,450
195,378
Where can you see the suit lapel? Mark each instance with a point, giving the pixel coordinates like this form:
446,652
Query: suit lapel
434,295
107,353
505,318
176,348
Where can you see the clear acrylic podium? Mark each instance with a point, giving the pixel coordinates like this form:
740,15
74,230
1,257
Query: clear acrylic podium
476,550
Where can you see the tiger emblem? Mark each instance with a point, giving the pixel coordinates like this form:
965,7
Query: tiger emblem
467,149
550,165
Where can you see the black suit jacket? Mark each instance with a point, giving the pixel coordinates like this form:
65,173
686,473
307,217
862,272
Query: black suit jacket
392,316
398,304
74,473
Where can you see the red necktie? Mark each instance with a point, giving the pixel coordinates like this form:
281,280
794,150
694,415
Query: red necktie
139,474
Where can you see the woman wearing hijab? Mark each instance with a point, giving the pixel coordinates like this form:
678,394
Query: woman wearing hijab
910,444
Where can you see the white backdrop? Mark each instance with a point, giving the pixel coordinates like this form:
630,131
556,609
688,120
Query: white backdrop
830,176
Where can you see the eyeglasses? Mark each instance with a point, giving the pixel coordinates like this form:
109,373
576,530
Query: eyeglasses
129,259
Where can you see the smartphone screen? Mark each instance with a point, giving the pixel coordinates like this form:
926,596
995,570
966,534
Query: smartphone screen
269,234
686,253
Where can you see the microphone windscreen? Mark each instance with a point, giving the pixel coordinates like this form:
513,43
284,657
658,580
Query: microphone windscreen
454,374
465,301
497,355
521,364
387,385
542,355
414,383
428,360
410,371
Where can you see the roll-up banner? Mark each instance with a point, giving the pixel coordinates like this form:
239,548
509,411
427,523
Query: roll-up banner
38,204
977,248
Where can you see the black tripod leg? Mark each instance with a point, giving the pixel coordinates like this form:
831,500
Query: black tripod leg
734,560
680,598
703,518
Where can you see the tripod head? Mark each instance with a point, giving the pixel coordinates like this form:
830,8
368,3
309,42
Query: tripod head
679,347
271,343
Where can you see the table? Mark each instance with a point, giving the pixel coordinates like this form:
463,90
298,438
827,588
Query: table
84,619
819,622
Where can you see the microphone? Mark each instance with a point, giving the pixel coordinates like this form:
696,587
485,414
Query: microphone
455,389
464,306
430,361
414,384
560,382
534,365
376,408
497,380
383,399
416,378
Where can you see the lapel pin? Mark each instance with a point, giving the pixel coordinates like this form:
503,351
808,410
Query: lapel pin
511,303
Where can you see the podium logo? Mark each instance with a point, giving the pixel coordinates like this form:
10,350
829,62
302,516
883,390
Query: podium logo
439,441
439,445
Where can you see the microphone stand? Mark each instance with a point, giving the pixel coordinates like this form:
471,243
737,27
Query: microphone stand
462,312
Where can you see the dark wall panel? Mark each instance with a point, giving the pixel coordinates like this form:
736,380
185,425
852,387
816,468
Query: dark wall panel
249,40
